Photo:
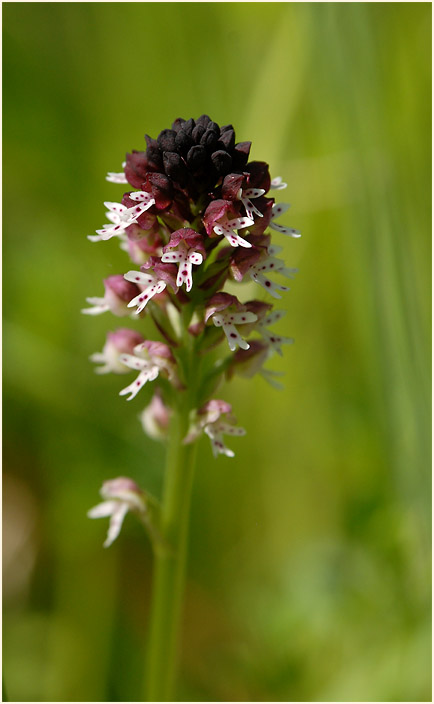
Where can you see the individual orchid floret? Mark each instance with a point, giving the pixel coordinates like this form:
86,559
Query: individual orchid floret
155,418
226,311
148,243
275,341
150,284
228,228
122,341
120,496
247,363
277,210
269,263
118,293
209,420
265,317
150,358
217,221
277,184
189,242
121,217
236,187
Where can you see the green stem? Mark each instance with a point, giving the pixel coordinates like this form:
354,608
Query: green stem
170,560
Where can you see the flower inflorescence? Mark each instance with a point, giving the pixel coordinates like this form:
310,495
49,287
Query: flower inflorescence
197,216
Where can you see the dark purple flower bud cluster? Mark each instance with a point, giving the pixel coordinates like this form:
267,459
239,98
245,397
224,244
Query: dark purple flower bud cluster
198,215
190,157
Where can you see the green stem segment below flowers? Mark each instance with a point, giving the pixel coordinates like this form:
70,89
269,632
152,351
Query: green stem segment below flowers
170,561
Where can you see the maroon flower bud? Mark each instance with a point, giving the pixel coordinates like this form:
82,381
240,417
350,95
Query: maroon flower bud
259,175
161,189
176,126
183,140
197,133
153,154
214,212
192,239
196,157
242,259
166,140
136,168
240,154
219,302
209,139
203,120
227,139
222,161
231,186
175,167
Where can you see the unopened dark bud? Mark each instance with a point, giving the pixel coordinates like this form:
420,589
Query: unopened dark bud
189,126
197,133
214,127
153,154
227,139
174,166
178,124
183,140
196,157
203,120
209,139
222,161
240,154
161,189
166,140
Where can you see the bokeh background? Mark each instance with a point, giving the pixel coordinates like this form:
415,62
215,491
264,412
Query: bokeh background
309,566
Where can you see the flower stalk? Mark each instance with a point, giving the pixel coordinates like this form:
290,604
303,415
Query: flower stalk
170,565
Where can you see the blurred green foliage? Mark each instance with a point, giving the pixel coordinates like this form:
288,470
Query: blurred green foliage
309,569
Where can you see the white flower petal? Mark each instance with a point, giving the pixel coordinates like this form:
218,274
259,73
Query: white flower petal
134,362
195,258
234,338
97,309
173,257
185,275
237,241
277,183
279,209
116,177
251,209
133,389
102,510
253,192
116,523
240,223
272,317
285,230
231,429
138,277
143,197
115,207
241,318
269,286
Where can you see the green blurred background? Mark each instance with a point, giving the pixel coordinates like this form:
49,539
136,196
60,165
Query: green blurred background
309,567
